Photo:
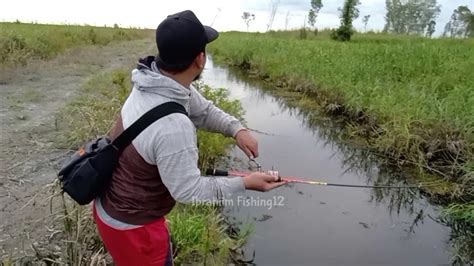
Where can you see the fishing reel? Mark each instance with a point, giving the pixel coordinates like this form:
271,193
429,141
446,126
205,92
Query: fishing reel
255,166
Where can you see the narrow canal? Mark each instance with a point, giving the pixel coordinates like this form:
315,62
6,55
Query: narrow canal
311,225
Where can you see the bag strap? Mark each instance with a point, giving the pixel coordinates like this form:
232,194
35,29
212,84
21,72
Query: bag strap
162,110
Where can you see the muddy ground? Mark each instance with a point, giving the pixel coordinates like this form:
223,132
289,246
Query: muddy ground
30,99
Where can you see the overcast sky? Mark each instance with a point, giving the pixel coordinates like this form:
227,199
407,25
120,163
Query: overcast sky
223,15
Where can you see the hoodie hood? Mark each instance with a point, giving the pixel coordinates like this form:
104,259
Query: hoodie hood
148,78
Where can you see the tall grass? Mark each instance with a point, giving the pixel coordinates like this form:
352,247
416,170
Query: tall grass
200,233
412,97
21,42
460,217
213,147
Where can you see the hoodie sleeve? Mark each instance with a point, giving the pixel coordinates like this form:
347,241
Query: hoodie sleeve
205,115
176,156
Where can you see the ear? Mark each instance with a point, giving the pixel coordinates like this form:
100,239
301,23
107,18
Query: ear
200,60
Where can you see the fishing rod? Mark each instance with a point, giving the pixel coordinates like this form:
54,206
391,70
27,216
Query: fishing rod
291,179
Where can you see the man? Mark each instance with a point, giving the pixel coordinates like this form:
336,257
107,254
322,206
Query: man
160,167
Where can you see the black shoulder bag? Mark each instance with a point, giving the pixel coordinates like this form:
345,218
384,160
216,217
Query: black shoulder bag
88,172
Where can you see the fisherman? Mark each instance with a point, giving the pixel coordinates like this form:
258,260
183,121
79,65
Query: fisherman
160,167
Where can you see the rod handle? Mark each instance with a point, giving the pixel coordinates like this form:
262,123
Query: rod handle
216,172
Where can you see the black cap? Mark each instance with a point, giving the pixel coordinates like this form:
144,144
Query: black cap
180,38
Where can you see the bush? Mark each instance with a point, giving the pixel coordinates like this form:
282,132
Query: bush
342,34
303,34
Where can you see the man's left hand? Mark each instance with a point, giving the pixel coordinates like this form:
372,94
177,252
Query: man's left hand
247,143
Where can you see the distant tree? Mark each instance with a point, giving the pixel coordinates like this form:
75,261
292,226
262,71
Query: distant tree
273,10
447,29
287,19
311,18
247,17
431,28
349,12
461,23
470,26
316,6
304,29
365,20
217,14
410,16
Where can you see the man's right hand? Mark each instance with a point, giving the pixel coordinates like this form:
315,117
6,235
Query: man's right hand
262,182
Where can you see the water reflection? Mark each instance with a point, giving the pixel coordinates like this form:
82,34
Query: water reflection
378,172
411,216
365,163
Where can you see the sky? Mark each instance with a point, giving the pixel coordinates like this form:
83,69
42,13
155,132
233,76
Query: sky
222,15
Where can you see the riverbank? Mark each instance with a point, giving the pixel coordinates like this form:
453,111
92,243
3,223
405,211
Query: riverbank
407,98
31,97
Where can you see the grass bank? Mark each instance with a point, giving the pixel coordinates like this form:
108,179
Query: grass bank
201,234
409,98
21,42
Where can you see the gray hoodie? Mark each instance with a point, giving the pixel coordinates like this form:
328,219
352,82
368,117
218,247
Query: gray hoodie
171,142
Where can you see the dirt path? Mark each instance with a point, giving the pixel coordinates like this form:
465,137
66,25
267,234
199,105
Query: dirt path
30,98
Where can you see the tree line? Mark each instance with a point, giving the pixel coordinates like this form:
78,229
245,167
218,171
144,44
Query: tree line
411,17
418,17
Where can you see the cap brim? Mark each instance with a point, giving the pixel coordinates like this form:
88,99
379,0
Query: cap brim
211,33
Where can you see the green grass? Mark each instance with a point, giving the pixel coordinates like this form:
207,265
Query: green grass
94,111
460,212
212,146
200,232
21,42
202,235
460,217
412,97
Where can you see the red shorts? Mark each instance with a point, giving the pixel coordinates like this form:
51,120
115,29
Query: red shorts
145,245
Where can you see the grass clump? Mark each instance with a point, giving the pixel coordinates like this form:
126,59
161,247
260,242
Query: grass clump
460,217
94,112
213,147
202,235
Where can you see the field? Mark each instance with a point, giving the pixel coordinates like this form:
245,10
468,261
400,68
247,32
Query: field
411,97
407,98
21,42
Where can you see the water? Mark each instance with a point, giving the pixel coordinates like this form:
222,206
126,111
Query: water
311,225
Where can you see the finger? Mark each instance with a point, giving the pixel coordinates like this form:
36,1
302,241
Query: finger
274,185
274,173
254,150
270,178
273,177
247,152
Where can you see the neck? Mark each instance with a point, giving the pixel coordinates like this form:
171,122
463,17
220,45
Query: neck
182,78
